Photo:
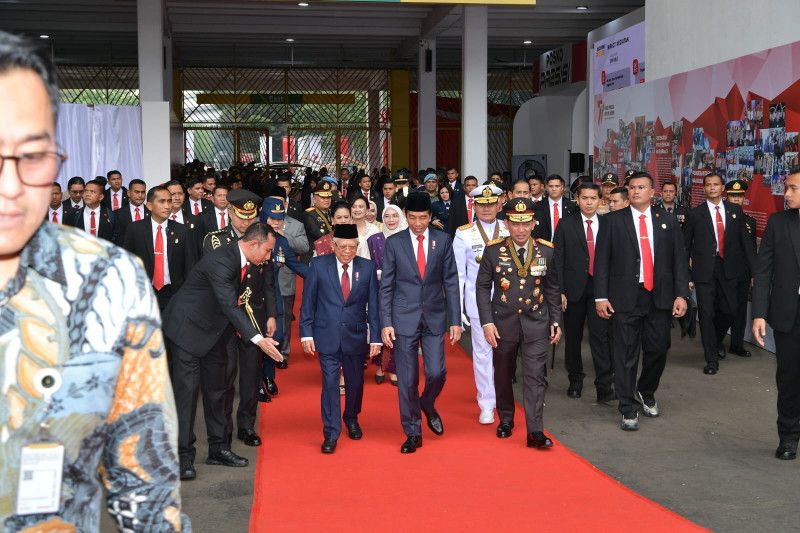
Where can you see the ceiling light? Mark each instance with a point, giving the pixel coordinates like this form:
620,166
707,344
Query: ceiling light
527,41
582,8
289,40
44,36
302,4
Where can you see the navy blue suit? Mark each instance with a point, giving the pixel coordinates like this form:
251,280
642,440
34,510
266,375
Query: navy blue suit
420,311
339,329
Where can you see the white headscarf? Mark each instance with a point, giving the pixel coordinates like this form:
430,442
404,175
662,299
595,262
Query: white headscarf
400,227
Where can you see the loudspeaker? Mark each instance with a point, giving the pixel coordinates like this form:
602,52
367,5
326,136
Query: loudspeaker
577,163
428,60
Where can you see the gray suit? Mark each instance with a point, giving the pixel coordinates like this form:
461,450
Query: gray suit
295,233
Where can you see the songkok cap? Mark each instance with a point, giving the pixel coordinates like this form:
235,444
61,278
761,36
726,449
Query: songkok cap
273,208
519,210
244,203
323,189
610,179
418,201
486,194
277,191
736,187
430,177
345,231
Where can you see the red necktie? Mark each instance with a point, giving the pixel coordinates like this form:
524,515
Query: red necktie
590,246
421,256
158,264
720,235
197,208
174,217
555,217
55,217
647,254
221,220
241,279
345,283
469,210
138,215
92,224
116,202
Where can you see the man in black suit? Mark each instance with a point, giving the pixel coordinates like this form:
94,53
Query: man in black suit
382,200
364,189
669,201
198,323
163,245
776,299
58,212
549,212
345,185
195,204
215,218
293,208
116,196
93,217
134,211
462,207
75,187
641,276
574,261
720,251
734,192
455,183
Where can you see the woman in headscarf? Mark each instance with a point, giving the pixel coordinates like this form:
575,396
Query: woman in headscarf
393,222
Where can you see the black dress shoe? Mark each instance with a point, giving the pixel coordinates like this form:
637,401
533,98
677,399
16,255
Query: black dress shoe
787,451
283,365
574,390
226,458
271,386
606,396
742,353
187,470
354,431
710,370
721,353
329,446
504,430
249,437
263,397
538,439
411,444
434,422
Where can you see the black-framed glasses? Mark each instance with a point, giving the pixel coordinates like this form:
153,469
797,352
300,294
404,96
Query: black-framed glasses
36,168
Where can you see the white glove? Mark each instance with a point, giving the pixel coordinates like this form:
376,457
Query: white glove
465,320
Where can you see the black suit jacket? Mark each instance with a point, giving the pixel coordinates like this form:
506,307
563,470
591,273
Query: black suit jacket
543,230
701,244
106,225
381,204
68,204
572,255
776,277
617,260
124,219
179,247
187,206
207,221
206,304
106,201
458,213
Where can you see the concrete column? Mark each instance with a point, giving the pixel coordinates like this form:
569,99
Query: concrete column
426,105
153,94
374,133
400,118
474,102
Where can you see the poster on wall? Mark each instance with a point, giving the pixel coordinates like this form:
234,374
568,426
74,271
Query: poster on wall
619,60
739,118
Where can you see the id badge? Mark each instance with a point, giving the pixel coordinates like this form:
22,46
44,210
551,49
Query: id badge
40,470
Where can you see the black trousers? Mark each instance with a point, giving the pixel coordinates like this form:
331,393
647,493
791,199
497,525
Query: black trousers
288,316
577,315
192,372
533,355
740,316
787,377
647,329
244,358
716,312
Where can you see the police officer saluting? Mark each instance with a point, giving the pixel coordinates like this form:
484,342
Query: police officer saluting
469,242
519,305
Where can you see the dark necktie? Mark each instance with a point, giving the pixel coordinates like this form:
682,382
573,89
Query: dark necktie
345,283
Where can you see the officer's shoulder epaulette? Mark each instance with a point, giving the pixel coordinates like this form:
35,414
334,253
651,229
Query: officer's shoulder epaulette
546,243
465,226
309,209
495,241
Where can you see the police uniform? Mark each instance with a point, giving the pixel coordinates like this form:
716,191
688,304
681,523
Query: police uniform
739,188
469,242
611,180
317,221
520,295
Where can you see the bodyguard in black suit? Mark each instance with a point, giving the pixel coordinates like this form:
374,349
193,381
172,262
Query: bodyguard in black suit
197,324
545,213
141,238
385,198
215,218
734,192
776,299
459,207
575,247
195,203
115,190
641,277
720,251
105,222
133,211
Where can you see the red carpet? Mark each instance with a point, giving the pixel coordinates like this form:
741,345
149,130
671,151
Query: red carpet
465,480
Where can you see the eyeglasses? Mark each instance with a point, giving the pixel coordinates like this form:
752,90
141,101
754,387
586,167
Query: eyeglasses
347,247
36,168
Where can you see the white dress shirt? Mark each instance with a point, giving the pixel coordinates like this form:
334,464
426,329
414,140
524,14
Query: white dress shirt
713,210
415,244
164,258
560,203
649,222
59,211
217,212
118,196
76,206
537,199
87,219
133,209
595,225
193,203
178,216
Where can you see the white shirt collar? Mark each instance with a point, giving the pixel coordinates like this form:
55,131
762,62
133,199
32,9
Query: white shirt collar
593,218
713,207
155,224
635,212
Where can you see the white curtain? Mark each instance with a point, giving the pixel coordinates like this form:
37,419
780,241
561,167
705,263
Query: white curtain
99,138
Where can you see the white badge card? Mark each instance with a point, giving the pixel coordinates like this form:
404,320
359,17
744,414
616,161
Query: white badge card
40,470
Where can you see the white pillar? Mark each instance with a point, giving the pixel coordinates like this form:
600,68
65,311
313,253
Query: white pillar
474,91
152,89
426,105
